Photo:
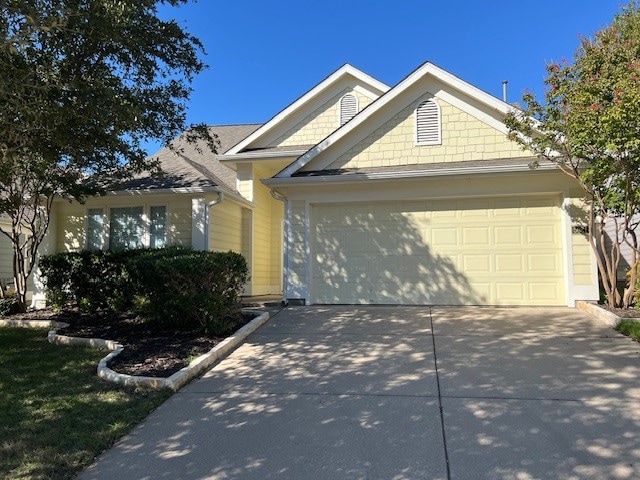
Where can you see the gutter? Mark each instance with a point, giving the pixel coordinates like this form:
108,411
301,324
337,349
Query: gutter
403,175
285,239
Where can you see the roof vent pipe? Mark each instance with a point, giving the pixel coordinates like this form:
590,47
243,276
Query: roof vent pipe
504,90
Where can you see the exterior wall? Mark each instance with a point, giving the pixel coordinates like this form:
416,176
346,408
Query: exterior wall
320,123
6,260
225,227
579,282
265,273
70,218
625,249
464,138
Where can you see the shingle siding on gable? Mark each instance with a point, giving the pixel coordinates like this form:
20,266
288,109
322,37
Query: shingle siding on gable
319,124
464,138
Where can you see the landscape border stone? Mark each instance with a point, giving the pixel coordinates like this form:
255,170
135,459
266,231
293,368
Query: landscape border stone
175,381
604,316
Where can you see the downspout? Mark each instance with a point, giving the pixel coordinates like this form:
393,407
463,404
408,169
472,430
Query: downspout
285,240
206,217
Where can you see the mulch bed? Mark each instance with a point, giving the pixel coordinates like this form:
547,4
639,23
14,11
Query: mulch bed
622,312
148,350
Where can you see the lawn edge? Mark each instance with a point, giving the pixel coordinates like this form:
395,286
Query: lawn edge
604,316
175,381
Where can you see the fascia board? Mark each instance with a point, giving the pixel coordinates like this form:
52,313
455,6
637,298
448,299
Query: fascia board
406,175
315,91
250,156
426,69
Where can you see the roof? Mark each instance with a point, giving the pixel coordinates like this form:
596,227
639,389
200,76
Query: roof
426,69
306,99
186,167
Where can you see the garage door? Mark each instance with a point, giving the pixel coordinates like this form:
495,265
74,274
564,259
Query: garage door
489,251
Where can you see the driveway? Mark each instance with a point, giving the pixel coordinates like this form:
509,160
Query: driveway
402,393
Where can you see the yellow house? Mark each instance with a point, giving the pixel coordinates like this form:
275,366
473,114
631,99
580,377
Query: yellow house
361,193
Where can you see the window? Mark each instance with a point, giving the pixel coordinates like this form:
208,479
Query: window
348,108
127,227
428,125
95,229
157,227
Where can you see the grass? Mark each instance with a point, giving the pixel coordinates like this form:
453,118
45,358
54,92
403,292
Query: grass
630,328
56,415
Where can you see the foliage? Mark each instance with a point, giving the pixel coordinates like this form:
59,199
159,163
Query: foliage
630,328
56,414
173,286
82,85
589,126
197,290
9,305
636,295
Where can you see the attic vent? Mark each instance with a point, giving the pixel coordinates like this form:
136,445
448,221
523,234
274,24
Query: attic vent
348,108
428,131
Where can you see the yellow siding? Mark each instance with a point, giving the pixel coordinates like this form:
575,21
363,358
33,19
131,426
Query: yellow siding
319,124
225,227
464,138
277,217
71,218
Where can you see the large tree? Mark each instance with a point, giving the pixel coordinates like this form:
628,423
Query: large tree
589,126
83,83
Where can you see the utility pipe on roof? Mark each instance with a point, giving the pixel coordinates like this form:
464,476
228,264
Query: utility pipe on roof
206,217
285,239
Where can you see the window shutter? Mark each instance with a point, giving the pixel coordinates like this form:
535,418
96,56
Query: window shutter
348,108
428,123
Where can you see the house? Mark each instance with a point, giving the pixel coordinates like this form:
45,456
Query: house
362,193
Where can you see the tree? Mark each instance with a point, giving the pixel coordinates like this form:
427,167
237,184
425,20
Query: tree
589,126
82,84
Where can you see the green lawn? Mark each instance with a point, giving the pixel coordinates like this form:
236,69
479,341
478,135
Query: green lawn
56,415
629,328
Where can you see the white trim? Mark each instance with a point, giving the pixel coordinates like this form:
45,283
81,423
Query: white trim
258,155
307,97
567,250
438,112
341,106
413,78
308,253
408,174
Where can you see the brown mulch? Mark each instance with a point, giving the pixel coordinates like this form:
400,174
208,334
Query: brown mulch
148,350
622,312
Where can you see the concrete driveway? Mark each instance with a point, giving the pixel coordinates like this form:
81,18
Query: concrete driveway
402,393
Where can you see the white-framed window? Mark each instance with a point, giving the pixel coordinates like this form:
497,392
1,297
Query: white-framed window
127,227
95,229
348,108
428,123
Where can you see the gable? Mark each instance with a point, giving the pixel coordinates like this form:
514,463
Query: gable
385,134
321,122
394,143
313,116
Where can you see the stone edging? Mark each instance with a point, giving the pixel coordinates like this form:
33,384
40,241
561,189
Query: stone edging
175,381
604,316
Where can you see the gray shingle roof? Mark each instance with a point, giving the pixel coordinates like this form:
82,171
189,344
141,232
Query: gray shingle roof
186,167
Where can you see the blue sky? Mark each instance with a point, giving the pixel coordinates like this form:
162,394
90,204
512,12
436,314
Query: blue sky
263,55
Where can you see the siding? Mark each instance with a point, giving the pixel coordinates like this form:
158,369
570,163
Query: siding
6,260
320,123
464,138
70,218
625,250
225,227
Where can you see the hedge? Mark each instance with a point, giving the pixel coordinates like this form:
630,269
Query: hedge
174,286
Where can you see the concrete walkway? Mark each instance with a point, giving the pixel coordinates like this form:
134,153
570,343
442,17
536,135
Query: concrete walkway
402,393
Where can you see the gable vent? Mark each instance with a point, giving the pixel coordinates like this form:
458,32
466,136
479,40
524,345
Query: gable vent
428,131
348,108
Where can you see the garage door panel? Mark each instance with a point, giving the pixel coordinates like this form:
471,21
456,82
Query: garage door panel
474,251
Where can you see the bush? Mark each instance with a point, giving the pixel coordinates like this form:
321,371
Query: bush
9,305
193,290
175,286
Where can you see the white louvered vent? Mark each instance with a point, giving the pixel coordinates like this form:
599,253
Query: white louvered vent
428,131
348,108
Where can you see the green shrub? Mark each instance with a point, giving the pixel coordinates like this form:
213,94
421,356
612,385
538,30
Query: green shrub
9,305
191,290
175,286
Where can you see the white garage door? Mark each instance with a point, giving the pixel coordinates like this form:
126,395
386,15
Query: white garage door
488,251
